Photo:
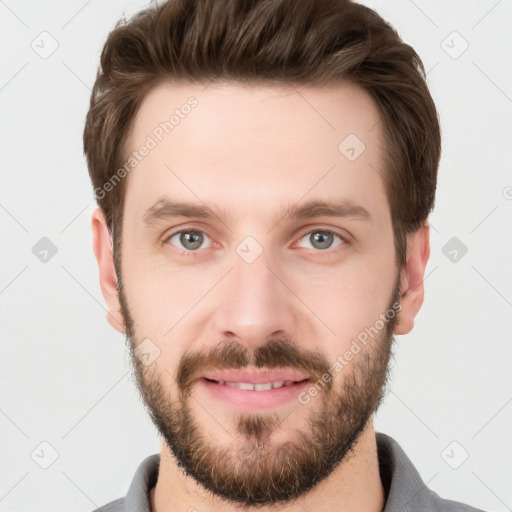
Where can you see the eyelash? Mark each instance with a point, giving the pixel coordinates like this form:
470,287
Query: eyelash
189,253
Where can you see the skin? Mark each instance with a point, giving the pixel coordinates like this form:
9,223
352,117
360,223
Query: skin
252,151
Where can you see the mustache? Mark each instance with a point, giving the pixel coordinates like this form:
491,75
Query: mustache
230,355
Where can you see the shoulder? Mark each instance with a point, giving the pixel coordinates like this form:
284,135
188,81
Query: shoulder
443,505
138,496
114,506
404,487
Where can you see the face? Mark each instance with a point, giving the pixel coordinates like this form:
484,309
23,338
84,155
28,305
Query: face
258,248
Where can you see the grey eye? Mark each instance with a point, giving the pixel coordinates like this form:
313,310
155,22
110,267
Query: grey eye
322,239
189,240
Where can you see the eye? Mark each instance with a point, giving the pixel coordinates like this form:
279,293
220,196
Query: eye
322,239
194,240
189,240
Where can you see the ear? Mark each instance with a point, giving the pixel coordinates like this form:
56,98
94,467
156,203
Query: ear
418,253
101,244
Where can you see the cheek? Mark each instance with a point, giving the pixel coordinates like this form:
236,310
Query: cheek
160,294
169,307
348,298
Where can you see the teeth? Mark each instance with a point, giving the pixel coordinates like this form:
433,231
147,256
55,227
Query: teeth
241,385
256,387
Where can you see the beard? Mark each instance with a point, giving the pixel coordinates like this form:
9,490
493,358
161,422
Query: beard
253,471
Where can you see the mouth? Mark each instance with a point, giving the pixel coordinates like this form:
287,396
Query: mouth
248,391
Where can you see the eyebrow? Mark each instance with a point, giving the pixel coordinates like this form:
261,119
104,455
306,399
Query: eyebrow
166,208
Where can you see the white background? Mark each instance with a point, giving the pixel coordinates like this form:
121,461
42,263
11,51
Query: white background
64,370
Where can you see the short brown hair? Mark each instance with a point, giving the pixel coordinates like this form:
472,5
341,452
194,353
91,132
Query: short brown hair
294,42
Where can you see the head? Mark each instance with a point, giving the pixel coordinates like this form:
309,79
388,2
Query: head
264,172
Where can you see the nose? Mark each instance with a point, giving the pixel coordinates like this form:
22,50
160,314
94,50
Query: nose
256,304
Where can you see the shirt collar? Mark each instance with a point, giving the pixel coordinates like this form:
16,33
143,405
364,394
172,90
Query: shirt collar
404,488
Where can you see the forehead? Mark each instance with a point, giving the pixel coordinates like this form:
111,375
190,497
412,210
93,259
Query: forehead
247,144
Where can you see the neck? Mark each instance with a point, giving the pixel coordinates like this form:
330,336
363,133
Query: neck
355,485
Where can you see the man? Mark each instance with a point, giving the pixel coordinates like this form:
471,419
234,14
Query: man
264,172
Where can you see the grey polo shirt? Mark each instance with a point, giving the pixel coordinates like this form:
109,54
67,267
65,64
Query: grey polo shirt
404,488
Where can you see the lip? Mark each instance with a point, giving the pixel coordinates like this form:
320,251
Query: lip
245,400
256,376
